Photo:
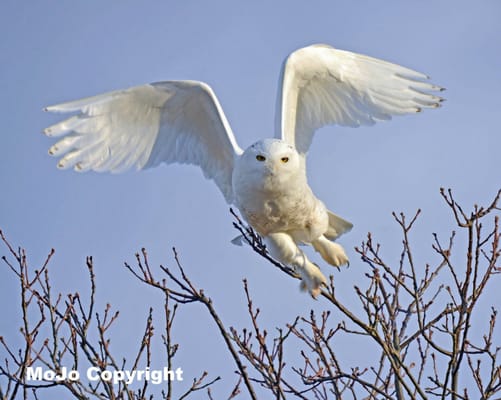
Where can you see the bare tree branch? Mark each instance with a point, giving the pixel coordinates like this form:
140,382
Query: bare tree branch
426,323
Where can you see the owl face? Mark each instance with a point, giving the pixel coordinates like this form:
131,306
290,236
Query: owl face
272,157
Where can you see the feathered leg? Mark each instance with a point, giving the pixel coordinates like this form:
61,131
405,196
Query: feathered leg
282,247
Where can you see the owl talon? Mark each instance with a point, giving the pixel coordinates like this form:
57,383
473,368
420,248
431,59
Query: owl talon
312,279
331,252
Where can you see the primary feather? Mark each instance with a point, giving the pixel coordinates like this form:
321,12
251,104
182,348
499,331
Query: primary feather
321,85
176,121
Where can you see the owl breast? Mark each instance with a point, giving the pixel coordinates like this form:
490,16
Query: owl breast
272,204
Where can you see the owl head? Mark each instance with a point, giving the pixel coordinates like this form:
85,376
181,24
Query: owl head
272,157
270,165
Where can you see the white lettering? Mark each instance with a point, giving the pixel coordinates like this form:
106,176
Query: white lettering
34,374
118,376
38,374
168,374
156,376
93,373
130,376
49,375
73,375
106,375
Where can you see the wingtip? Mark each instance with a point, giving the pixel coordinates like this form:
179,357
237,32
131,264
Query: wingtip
435,88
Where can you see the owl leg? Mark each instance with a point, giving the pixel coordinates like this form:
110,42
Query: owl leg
282,247
331,252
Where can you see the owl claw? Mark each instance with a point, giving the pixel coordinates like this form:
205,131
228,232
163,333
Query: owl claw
331,252
312,279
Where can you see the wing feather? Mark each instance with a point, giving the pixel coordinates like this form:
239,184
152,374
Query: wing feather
321,85
143,126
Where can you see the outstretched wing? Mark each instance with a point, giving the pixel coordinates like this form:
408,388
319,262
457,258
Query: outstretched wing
141,127
322,86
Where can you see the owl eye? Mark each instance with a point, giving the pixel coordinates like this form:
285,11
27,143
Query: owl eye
259,157
284,159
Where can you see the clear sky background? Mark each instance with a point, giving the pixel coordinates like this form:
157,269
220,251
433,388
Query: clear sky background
53,51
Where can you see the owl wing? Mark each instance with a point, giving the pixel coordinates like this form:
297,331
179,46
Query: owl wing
322,86
143,126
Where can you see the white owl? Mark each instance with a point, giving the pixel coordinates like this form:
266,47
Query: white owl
182,121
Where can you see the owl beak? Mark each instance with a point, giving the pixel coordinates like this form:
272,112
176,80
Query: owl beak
271,170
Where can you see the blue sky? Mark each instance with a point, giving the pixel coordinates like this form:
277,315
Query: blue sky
52,51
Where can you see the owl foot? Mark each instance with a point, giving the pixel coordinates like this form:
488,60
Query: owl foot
331,252
312,278
282,247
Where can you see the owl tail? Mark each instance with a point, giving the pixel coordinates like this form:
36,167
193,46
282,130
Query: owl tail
337,226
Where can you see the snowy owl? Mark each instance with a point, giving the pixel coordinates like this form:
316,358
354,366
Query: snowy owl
182,121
